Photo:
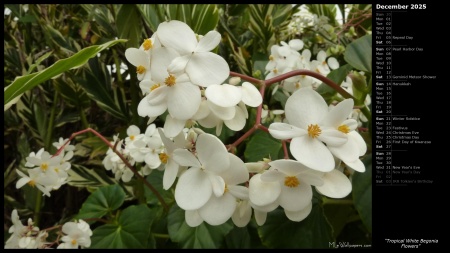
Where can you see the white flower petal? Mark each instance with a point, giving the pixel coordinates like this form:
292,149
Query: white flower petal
184,100
210,121
296,44
260,217
289,167
321,56
312,153
157,96
193,189
170,174
223,113
237,123
346,152
170,32
178,64
145,109
333,63
224,95
137,57
267,208
358,139
172,127
208,42
238,191
283,131
299,215
333,137
338,114
218,209
305,107
357,165
193,218
202,112
207,68
161,58
251,95
336,185
263,193
242,215
185,158
237,172
21,182
295,198
217,182
212,153
272,176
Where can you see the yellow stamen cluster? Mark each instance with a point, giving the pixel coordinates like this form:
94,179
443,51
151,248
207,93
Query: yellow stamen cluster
132,137
147,44
74,242
344,128
155,86
140,69
275,71
291,182
314,130
226,188
44,166
163,157
32,183
170,80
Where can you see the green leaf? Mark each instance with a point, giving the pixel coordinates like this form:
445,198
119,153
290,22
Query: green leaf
312,232
129,24
204,18
338,216
262,145
153,14
359,53
362,193
243,238
131,231
97,84
27,82
337,76
81,176
104,200
203,236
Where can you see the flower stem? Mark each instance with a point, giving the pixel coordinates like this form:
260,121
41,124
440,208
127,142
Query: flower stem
160,198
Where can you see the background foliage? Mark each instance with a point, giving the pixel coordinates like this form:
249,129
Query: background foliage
74,75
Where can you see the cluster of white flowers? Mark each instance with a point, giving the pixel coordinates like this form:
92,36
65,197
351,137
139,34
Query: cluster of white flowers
286,58
31,237
48,172
183,77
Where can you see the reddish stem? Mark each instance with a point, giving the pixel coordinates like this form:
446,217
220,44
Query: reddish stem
113,147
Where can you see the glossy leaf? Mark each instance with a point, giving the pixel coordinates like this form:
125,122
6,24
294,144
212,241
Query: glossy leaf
359,53
362,192
131,231
104,200
262,145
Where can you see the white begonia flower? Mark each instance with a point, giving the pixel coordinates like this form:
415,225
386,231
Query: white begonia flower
218,209
203,67
167,157
175,93
201,180
233,117
355,147
43,181
61,142
140,59
25,237
305,111
77,234
37,155
295,180
134,133
322,65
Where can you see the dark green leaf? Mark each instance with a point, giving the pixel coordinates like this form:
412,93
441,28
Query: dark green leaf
129,26
131,231
104,200
262,145
312,232
359,53
362,192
